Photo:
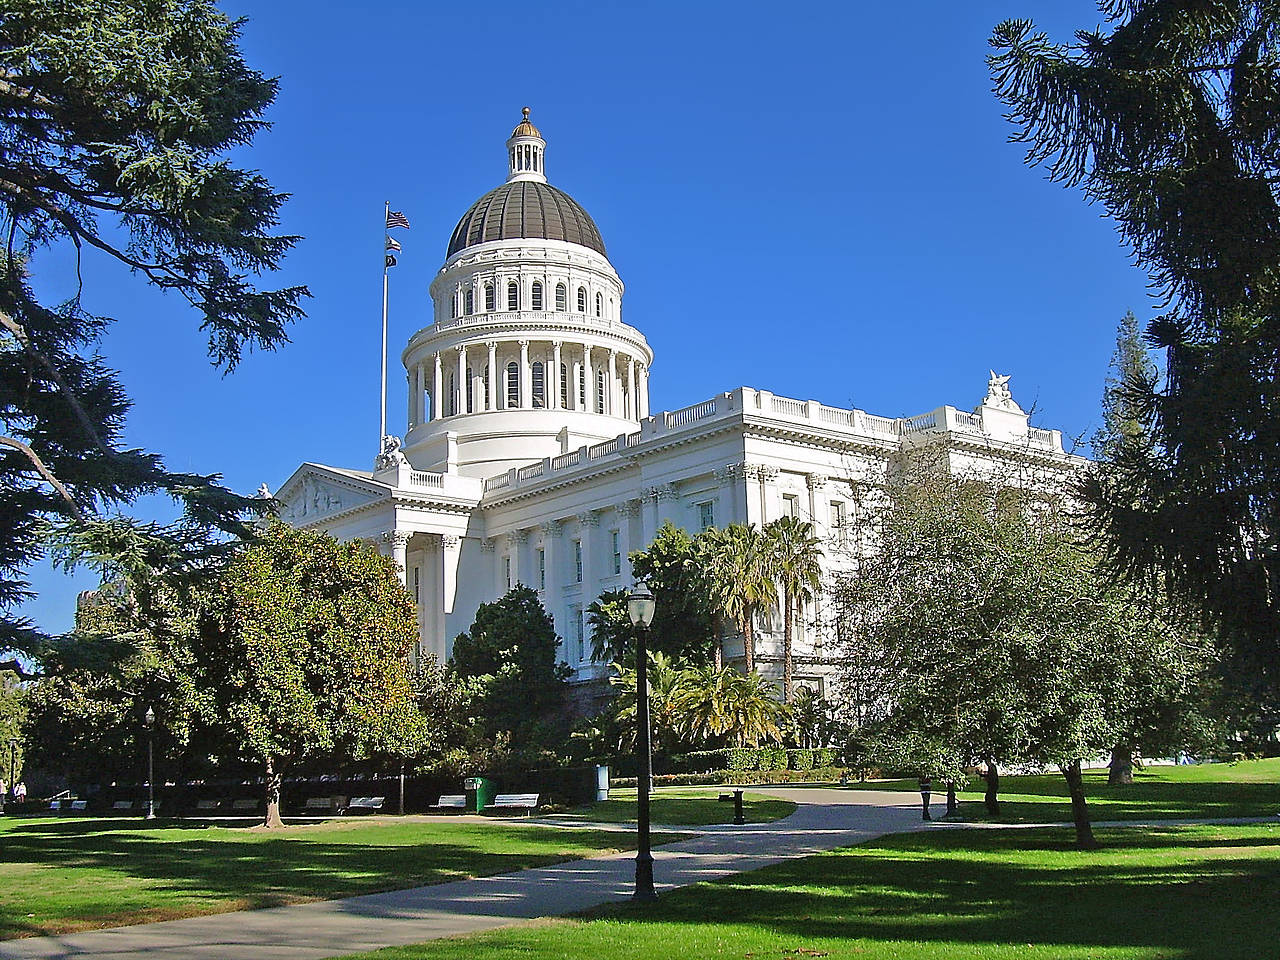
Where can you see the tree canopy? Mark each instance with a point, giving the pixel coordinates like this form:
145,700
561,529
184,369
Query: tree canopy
1170,118
118,117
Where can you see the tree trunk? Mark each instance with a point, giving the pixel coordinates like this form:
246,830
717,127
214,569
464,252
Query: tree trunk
749,641
1121,765
1079,811
719,652
274,779
952,805
992,798
787,626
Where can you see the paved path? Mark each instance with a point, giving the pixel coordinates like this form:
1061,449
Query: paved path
824,820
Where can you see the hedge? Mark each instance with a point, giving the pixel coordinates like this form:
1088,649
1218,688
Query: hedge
735,777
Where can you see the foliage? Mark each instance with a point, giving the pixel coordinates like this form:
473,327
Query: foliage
613,638
117,120
684,625
738,572
1171,121
512,650
795,561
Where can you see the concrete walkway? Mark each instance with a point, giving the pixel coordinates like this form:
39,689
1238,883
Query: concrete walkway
824,820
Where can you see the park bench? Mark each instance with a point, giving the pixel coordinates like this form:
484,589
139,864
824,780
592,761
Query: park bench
244,805
208,806
451,802
69,806
122,805
336,805
359,804
527,802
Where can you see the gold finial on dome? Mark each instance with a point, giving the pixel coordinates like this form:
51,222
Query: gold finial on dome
524,128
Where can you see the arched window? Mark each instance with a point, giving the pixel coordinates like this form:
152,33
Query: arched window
600,391
513,296
582,299
471,393
564,386
513,385
469,302
453,397
486,386
536,298
488,296
599,305
539,385
562,298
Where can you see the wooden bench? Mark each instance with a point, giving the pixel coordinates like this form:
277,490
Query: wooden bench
245,805
122,805
207,806
69,806
358,804
527,802
451,802
325,804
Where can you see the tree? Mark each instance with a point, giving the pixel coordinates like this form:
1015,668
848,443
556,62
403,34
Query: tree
117,117
683,622
795,560
612,635
512,648
667,681
1171,121
304,646
742,709
738,572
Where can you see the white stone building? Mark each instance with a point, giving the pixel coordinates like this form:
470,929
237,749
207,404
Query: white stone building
531,454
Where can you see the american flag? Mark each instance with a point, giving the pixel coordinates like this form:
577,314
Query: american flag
397,219
393,243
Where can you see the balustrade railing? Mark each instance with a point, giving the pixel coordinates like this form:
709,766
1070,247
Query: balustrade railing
925,421
687,415
571,459
529,472
423,478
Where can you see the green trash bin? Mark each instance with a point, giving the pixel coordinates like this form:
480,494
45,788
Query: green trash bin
480,792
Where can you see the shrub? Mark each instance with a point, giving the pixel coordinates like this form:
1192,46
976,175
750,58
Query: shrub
740,777
801,760
743,758
773,758
825,757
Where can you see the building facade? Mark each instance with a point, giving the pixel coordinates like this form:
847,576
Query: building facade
531,454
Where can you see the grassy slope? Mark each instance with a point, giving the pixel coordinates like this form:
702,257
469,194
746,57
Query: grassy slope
686,808
1183,893
63,875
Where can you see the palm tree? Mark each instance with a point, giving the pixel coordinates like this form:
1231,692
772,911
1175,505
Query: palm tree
797,563
739,571
741,708
667,684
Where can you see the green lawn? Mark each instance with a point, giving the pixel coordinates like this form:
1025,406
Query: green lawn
685,808
1179,893
63,875
1250,788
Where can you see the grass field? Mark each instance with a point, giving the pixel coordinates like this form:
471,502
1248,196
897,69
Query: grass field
1250,788
1179,893
62,875
685,808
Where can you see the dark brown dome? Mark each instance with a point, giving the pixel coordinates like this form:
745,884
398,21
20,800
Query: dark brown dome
525,209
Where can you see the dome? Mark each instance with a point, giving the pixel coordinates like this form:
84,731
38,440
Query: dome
525,209
525,128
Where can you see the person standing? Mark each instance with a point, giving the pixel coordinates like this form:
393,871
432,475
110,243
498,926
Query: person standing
20,791
926,787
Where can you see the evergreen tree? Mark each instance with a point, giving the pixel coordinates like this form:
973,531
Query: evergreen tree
117,117
684,623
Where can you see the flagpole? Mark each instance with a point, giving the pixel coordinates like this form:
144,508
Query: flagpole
382,429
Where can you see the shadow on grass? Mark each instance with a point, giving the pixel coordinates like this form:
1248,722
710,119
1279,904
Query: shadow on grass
77,873
1193,893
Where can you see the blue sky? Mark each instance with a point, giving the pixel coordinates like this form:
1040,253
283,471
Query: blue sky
818,199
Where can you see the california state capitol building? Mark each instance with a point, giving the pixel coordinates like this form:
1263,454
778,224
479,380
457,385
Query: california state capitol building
532,452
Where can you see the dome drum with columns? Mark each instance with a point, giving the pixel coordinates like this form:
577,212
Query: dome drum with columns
531,454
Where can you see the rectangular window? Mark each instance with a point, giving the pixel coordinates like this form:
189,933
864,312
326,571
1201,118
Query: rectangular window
582,388
513,297
488,296
506,570
790,505
838,520
616,548
417,586
706,515
579,634
542,569
577,561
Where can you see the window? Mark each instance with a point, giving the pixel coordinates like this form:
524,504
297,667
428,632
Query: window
577,561
536,299
706,515
582,299
417,585
579,633
486,386
838,527
539,385
582,387
513,385
562,297
564,387
506,570
790,505
453,304
513,296
616,549
453,396
542,569
599,305
600,391
471,394
469,302
488,296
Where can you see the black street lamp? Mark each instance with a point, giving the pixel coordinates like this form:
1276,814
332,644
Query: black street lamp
640,607
149,721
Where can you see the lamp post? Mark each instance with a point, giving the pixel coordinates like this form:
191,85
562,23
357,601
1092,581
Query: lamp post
149,721
11,794
640,607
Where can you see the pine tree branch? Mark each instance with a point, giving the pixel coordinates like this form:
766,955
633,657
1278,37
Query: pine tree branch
45,472
16,667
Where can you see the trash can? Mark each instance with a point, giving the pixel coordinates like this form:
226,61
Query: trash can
602,783
480,792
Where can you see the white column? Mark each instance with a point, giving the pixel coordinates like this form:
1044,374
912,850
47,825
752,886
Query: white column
493,374
461,399
626,514
576,373
437,394
649,522
611,388
450,552
516,541
411,419
526,388
553,593
644,392
633,407
554,379
399,540
587,524
591,378
420,379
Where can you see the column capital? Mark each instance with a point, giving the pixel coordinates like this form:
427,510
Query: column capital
461,348
817,481
589,519
519,536
629,508
524,344
729,472
552,530
487,545
450,542
397,538
491,344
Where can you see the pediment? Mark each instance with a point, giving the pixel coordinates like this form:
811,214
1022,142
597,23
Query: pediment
314,493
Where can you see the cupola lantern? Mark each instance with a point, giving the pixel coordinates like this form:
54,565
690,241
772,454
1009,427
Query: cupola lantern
525,152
